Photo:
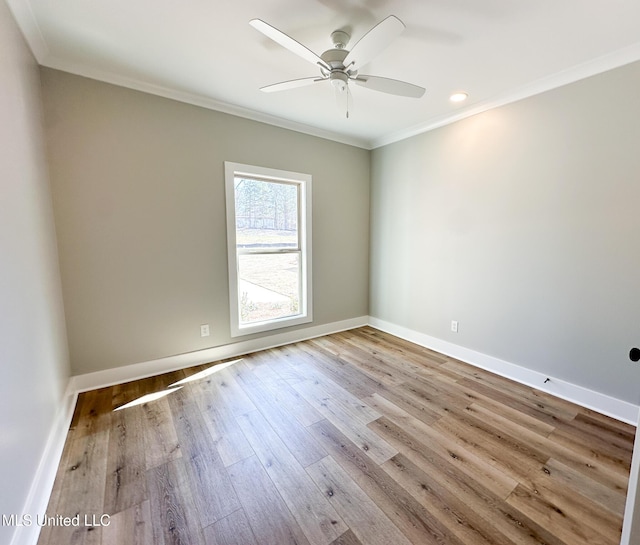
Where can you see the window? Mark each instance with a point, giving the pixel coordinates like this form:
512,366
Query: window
269,244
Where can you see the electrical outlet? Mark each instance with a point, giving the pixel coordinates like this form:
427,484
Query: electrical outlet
454,326
204,330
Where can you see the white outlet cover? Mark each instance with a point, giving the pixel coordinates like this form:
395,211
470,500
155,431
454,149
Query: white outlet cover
204,330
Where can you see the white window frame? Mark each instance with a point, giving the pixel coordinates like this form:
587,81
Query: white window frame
232,170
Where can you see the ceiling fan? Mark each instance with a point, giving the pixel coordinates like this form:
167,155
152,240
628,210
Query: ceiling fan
339,65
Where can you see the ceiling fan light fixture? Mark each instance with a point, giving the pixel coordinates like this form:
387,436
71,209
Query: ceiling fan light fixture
458,97
339,80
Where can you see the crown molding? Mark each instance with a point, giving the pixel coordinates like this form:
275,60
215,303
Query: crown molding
201,101
28,24
578,72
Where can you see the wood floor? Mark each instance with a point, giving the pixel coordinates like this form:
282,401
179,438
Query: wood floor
354,438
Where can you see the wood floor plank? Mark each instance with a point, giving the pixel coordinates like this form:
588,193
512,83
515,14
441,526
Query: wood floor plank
519,438
532,403
126,484
161,441
263,363
416,435
213,494
430,397
600,426
229,440
478,495
234,529
173,511
515,416
81,536
481,377
323,390
373,445
83,483
282,393
573,451
298,440
224,387
365,519
324,386
85,476
370,366
594,468
298,407
385,343
404,365
571,531
413,519
269,517
121,394
78,412
318,520
93,413
601,449
348,538
577,507
350,378
131,526
464,523
159,383
411,405
612,500
489,446
609,424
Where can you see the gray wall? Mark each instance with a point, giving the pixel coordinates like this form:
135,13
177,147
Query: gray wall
522,223
138,189
33,352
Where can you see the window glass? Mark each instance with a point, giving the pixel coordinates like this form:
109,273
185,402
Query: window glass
269,241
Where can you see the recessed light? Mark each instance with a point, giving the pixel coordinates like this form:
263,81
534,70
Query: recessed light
458,97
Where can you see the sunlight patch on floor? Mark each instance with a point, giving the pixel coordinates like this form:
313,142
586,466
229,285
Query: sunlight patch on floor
147,398
203,374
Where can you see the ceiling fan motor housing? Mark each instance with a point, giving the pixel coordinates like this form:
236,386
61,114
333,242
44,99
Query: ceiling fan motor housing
335,59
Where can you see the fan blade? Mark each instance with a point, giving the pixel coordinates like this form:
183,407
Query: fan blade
391,86
374,41
291,84
288,42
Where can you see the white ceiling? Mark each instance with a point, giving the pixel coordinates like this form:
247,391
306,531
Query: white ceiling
204,52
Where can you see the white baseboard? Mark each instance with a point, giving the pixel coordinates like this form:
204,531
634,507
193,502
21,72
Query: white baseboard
610,406
45,475
118,375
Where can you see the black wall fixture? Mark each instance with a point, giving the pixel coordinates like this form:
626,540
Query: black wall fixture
634,354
